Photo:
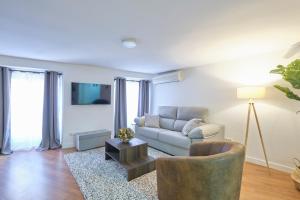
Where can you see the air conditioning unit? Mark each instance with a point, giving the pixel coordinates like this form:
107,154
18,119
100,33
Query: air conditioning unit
168,77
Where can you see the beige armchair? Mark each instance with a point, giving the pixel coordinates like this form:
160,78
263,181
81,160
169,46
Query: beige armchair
213,171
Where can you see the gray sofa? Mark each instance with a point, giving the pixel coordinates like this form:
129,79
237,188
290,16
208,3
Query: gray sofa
168,137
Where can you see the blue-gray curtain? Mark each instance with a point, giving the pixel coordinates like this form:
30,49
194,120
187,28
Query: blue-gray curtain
120,104
5,114
51,131
144,97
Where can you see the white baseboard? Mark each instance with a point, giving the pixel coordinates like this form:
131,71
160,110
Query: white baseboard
262,162
273,165
68,145
250,159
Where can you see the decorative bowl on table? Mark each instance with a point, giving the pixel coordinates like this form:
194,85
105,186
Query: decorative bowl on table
125,134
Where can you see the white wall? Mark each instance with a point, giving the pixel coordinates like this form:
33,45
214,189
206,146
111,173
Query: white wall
214,87
78,118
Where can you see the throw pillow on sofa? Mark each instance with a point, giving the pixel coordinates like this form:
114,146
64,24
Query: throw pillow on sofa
190,125
152,121
140,121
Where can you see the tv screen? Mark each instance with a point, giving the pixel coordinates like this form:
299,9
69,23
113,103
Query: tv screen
89,93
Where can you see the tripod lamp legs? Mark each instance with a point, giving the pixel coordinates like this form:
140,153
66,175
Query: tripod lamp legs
250,107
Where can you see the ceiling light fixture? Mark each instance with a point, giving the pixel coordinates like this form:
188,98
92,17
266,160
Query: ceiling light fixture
129,43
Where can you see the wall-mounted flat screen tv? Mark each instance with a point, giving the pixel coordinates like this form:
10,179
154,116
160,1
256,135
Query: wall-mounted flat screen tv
89,93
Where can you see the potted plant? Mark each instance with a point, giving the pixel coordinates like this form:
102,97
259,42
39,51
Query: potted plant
125,134
291,74
296,174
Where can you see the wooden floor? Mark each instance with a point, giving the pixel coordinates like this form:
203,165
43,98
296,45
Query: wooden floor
45,175
37,176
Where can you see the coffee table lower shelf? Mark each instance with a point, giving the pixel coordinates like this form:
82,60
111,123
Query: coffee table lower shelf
136,168
133,157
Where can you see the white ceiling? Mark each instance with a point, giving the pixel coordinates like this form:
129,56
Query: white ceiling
171,34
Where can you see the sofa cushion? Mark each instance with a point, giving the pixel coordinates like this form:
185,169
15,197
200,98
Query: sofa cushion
179,124
188,113
209,130
190,125
204,131
152,121
174,138
140,121
166,123
149,132
196,133
169,112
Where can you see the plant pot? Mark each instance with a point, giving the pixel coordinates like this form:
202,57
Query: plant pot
296,174
296,178
297,171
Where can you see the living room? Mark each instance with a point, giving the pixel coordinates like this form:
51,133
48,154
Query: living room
193,100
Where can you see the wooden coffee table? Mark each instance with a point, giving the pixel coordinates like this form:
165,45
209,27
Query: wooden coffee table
133,156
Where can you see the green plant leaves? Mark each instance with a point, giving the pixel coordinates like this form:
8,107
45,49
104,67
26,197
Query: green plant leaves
280,70
288,92
290,73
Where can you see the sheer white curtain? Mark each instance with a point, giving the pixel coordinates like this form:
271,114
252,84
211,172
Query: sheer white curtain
27,93
132,95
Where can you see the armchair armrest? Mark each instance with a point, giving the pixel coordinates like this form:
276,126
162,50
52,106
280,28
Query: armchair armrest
140,121
204,131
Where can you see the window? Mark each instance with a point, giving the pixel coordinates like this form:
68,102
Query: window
132,97
27,92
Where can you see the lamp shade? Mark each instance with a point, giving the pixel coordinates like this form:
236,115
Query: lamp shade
251,92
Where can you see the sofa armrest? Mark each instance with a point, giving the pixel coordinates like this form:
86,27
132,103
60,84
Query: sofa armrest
196,133
140,121
205,131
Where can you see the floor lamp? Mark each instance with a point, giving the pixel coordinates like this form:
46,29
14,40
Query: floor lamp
252,93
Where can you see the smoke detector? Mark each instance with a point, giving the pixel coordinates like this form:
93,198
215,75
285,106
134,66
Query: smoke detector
129,43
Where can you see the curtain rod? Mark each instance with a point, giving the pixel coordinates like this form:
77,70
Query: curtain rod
131,80
31,71
17,70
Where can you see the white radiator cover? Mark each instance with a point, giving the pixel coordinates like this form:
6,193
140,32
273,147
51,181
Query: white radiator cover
91,139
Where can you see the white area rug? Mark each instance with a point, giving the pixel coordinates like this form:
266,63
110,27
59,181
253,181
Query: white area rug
106,179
